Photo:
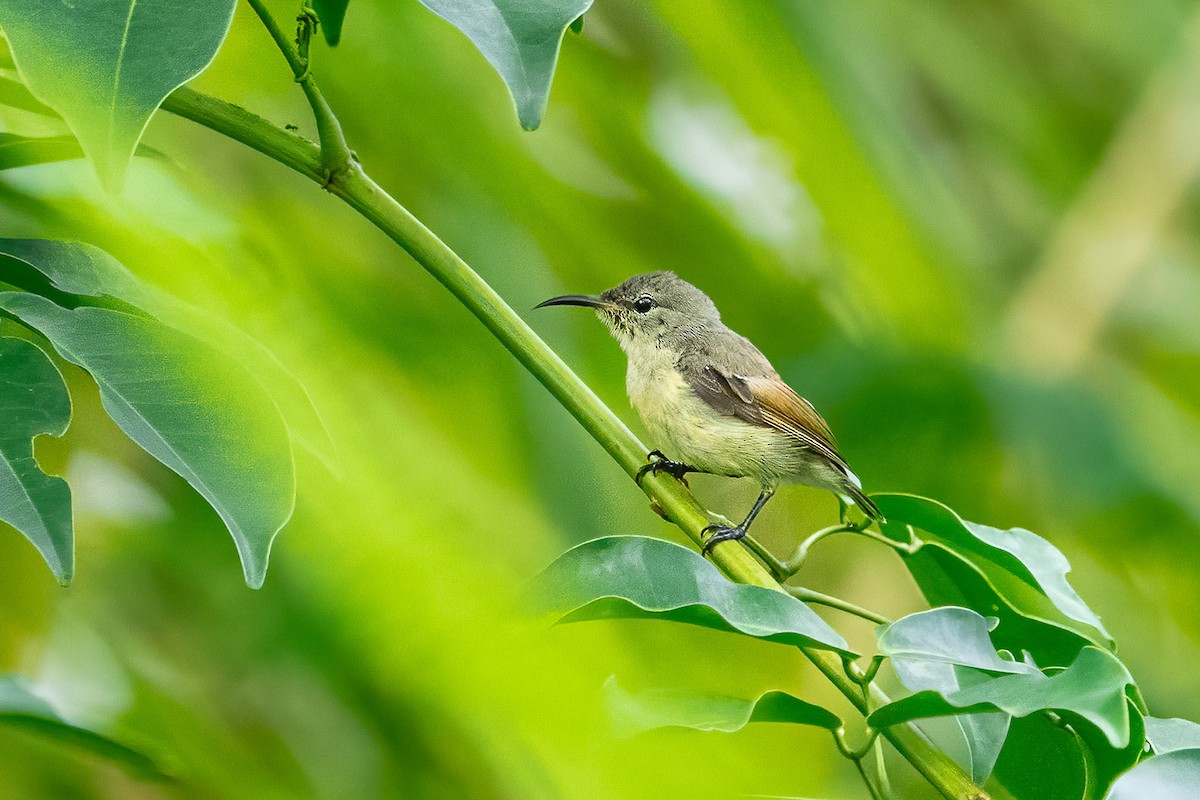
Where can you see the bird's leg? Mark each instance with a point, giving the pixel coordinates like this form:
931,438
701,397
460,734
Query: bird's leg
657,462
724,533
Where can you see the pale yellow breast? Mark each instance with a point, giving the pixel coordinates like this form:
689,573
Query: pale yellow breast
687,429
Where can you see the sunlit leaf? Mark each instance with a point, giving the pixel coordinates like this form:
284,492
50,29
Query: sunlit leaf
520,39
33,402
196,411
928,651
89,274
639,577
1091,695
1167,735
332,14
1173,776
947,635
21,708
1013,575
106,65
635,712
71,268
1091,689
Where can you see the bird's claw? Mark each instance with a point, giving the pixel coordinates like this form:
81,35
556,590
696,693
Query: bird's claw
721,533
660,463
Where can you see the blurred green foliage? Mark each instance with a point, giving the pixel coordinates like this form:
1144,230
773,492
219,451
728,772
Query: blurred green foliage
964,230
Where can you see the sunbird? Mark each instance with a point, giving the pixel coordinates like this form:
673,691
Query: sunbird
712,400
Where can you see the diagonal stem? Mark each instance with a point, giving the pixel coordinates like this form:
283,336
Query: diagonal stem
677,504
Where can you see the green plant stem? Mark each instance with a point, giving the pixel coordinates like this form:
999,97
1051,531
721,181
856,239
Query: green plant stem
336,155
821,599
787,568
677,504
866,779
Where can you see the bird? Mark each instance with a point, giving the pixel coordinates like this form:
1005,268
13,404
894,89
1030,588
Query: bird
712,400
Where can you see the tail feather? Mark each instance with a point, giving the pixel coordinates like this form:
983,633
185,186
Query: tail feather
864,503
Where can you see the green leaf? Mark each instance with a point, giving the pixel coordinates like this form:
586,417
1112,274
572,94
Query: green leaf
1091,695
72,268
520,39
623,577
1173,776
1013,575
89,274
1091,689
1043,760
106,65
947,635
21,708
928,650
34,402
198,412
1168,735
14,95
634,713
332,14
24,151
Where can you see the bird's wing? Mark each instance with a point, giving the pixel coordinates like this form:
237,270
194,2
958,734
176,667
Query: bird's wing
767,401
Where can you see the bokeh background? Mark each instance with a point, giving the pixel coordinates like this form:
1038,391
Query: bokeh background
966,230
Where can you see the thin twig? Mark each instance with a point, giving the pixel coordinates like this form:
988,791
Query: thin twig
336,156
822,599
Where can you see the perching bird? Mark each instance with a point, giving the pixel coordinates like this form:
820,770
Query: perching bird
713,401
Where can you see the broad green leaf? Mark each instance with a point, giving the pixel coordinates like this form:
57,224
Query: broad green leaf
90,274
635,712
1043,760
198,412
34,402
520,39
1173,776
332,14
1167,735
638,577
106,65
21,708
1091,695
1091,689
72,268
928,651
947,635
964,564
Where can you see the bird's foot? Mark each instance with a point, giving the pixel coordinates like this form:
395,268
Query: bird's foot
721,533
660,463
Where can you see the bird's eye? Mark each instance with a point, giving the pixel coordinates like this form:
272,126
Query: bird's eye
643,304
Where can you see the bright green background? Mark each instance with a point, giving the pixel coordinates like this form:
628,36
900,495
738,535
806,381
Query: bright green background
964,230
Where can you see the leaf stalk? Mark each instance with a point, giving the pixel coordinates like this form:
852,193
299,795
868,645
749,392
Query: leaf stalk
336,156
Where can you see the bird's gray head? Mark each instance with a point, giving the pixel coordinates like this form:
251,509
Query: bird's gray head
658,307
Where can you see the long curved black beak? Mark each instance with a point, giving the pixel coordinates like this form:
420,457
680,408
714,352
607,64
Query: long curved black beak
575,300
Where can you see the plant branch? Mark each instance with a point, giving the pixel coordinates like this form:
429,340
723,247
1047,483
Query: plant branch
677,504
821,599
787,568
336,155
